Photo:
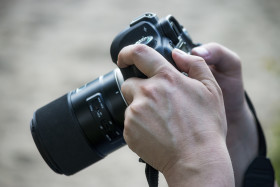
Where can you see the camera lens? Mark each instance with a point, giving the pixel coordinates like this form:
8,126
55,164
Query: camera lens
82,126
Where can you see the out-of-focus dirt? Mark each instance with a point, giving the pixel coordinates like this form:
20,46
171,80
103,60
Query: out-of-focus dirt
48,48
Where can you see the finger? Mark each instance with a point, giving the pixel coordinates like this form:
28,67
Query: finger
222,58
194,66
146,59
130,89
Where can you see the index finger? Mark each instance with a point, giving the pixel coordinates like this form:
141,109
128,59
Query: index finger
146,59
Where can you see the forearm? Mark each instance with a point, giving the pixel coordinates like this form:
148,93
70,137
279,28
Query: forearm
244,148
216,171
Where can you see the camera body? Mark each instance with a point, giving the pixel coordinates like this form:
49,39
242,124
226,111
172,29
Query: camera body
86,124
163,35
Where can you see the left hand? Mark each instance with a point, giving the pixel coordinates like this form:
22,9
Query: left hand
242,137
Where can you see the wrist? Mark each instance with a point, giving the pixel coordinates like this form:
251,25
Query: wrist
242,125
210,167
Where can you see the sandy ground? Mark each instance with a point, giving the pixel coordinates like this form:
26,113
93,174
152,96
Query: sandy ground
48,48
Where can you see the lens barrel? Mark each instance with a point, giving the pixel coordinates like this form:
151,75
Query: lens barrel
81,127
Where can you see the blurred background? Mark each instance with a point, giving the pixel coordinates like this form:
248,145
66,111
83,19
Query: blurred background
48,48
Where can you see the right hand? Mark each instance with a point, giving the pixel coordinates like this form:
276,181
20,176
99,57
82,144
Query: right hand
242,138
177,124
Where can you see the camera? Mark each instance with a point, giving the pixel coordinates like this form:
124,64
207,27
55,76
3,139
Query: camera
86,124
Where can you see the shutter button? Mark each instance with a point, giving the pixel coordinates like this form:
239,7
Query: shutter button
147,40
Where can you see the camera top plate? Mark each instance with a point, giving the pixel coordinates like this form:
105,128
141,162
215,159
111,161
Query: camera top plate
161,34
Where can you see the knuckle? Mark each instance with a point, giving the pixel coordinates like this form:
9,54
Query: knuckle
218,89
168,75
127,86
139,50
134,109
199,61
149,91
132,51
124,86
126,91
215,45
218,49
222,51
214,87
130,124
128,128
199,65
122,55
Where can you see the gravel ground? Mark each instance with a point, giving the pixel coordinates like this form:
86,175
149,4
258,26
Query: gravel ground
48,48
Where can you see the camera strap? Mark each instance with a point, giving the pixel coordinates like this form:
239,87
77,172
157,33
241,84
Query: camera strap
151,174
260,172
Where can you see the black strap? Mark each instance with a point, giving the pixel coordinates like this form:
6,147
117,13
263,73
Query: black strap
262,142
260,172
151,174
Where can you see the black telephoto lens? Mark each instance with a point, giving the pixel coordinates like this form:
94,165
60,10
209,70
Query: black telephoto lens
81,127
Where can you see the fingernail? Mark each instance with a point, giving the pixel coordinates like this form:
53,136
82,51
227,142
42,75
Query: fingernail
179,52
201,51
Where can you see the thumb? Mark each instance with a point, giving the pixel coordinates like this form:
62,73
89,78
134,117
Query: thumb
221,57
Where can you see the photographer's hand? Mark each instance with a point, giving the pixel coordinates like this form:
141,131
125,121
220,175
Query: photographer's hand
242,138
177,124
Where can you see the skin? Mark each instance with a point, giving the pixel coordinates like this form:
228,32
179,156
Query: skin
176,123
242,139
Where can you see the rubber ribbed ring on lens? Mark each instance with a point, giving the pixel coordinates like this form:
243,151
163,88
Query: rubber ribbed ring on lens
60,139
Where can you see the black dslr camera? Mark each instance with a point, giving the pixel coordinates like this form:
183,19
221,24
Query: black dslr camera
86,124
